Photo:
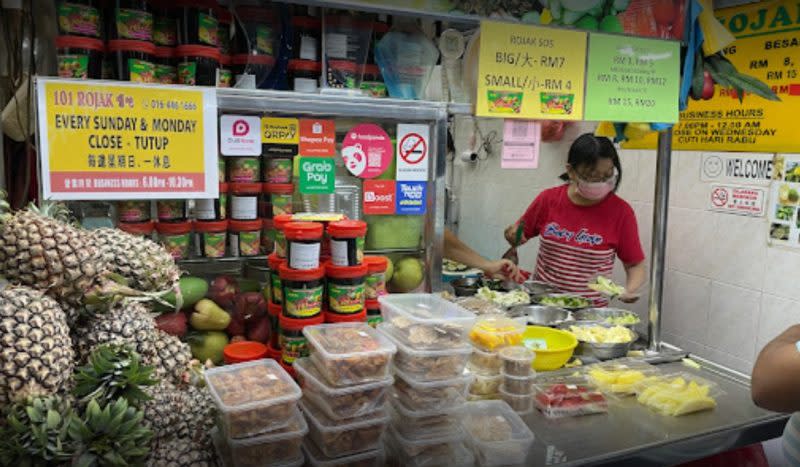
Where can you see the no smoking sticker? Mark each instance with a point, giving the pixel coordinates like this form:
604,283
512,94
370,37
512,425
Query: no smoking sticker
739,200
413,151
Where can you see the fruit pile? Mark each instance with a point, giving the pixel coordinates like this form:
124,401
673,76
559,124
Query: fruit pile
676,395
87,375
566,400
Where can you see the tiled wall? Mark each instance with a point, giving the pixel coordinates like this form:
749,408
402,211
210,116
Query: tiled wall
726,293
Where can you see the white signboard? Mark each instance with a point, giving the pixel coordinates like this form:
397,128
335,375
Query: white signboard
240,135
413,151
736,168
740,200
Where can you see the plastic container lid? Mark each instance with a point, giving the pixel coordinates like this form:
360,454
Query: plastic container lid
125,45
345,272
164,52
223,445
244,351
316,458
303,231
79,42
246,59
279,188
244,226
294,324
517,353
316,337
245,188
388,330
495,332
306,22
274,261
289,274
343,65
276,374
513,450
174,228
359,317
274,309
305,65
347,229
210,226
415,447
424,385
143,228
306,370
459,454
197,51
376,263
225,60
281,220
324,424
427,308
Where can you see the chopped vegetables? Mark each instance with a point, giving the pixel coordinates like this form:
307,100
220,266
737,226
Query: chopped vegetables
624,320
606,287
566,301
602,335
506,299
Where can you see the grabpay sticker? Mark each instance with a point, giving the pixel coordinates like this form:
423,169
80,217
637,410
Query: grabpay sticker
316,175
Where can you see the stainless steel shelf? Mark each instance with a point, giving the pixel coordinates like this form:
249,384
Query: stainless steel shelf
455,18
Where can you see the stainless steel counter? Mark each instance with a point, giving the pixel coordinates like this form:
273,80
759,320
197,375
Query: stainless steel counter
630,434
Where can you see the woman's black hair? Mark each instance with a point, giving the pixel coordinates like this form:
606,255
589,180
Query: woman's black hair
588,149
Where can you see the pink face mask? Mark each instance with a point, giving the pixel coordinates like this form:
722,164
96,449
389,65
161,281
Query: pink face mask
596,191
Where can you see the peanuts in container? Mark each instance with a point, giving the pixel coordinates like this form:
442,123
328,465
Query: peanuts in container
422,424
281,447
431,395
253,397
344,437
315,458
498,435
517,361
349,353
427,322
340,403
456,454
427,364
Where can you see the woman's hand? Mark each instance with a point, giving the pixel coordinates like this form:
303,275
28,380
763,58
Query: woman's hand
629,297
503,269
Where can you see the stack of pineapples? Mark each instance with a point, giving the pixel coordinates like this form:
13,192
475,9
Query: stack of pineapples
85,375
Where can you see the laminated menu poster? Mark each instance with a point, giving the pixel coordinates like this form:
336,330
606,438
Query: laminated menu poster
784,201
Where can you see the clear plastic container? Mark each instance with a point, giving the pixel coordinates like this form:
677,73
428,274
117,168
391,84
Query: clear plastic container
225,454
484,385
434,448
476,397
457,454
519,385
517,361
619,377
498,435
280,446
483,362
427,322
431,395
343,402
315,458
345,437
496,332
677,394
422,425
252,397
519,403
349,353
427,364
568,397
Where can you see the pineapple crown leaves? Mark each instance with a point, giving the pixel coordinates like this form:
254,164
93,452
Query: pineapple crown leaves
113,371
53,210
35,432
110,435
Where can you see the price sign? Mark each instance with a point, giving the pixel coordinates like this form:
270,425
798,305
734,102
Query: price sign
632,79
102,142
530,72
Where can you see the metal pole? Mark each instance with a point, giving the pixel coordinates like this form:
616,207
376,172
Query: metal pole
658,249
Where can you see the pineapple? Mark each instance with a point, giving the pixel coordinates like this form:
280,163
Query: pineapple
180,452
173,357
110,434
36,356
35,432
145,264
113,371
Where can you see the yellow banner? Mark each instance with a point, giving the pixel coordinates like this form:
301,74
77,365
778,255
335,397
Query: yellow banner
104,141
530,72
767,47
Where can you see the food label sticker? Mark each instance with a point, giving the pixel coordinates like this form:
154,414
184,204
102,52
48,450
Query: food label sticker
304,256
317,138
411,198
280,135
367,150
413,149
244,207
339,255
379,197
240,135
521,143
572,387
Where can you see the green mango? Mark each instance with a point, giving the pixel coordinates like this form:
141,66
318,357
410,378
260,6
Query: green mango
192,289
249,285
611,24
587,23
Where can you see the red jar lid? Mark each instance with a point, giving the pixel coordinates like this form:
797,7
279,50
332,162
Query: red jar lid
164,52
281,220
125,45
211,226
246,59
372,70
225,60
345,272
197,51
295,324
143,228
79,42
279,188
274,261
273,353
254,13
223,15
174,228
380,27
305,65
359,317
306,22
244,226
245,188
343,65
347,229
223,187
244,351
376,263
289,274
303,231
274,309
267,224
373,304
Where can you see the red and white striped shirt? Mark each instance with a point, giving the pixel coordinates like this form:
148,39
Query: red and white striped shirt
579,243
